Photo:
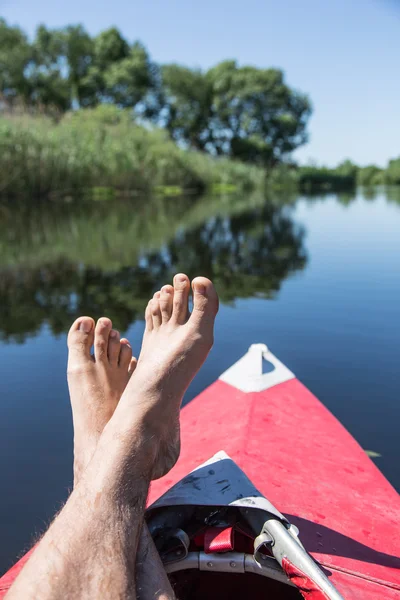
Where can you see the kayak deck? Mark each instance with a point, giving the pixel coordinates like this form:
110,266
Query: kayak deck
305,462
308,465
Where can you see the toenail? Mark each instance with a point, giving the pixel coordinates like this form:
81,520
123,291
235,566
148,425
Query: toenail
85,325
165,290
113,333
200,289
181,278
105,322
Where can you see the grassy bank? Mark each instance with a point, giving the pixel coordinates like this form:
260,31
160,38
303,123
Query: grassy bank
103,150
103,153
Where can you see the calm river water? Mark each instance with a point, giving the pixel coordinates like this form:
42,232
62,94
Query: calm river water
317,279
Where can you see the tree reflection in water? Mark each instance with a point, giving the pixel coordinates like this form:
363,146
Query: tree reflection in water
59,263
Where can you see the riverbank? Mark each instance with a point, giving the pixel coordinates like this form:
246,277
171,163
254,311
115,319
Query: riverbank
103,152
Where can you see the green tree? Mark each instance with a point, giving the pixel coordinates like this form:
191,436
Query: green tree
392,175
127,81
49,88
60,61
369,175
347,169
15,57
242,112
258,118
109,47
77,52
187,98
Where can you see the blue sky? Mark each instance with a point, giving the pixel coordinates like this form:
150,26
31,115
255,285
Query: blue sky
343,53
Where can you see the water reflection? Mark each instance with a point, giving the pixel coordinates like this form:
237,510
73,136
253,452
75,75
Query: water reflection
62,261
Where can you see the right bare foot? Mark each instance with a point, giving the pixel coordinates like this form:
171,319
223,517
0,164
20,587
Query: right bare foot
175,345
95,382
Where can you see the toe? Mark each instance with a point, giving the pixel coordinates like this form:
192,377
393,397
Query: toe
155,310
113,347
166,300
101,336
80,339
205,301
132,366
125,355
181,298
148,317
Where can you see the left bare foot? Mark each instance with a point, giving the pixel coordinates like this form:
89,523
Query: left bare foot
96,383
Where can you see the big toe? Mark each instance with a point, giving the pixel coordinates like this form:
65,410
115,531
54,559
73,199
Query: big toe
205,302
80,340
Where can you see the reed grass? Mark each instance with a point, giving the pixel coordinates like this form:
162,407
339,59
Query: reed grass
103,149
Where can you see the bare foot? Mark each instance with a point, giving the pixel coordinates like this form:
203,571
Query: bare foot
175,345
96,383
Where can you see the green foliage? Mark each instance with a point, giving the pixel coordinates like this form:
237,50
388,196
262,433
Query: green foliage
128,80
103,147
109,47
317,179
392,174
244,113
370,175
231,112
187,102
257,117
347,169
15,56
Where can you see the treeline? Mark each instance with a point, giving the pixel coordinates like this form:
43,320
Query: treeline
347,176
244,113
78,111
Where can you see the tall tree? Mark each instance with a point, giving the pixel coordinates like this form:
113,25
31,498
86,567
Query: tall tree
60,62
392,174
187,106
128,80
15,56
242,112
109,47
258,117
77,50
49,87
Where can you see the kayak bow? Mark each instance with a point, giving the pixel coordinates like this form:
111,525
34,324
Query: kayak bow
305,462
217,532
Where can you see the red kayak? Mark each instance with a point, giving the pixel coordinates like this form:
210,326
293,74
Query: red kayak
257,442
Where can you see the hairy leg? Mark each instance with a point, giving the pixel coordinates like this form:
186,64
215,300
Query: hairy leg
90,549
96,384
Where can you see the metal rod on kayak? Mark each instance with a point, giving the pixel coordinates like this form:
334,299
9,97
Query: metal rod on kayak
286,549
